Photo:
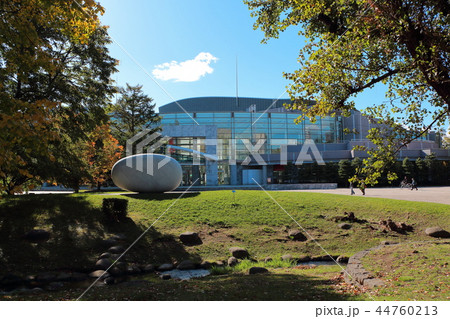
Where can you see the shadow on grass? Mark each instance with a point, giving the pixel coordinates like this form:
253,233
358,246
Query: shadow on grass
235,287
78,229
161,196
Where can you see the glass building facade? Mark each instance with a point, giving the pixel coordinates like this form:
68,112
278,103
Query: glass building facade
234,128
239,126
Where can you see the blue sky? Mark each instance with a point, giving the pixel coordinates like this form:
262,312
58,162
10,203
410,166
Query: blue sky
190,49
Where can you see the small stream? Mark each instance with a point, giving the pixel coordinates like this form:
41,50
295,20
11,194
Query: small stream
174,274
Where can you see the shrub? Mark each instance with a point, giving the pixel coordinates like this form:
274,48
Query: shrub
115,209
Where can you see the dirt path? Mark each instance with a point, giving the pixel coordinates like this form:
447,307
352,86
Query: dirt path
424,194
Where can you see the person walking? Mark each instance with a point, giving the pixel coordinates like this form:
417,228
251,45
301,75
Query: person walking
352,192
362,187
413,184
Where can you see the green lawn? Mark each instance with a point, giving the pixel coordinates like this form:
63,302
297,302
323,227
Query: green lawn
418,270
252,221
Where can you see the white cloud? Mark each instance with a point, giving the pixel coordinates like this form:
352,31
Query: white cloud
186,71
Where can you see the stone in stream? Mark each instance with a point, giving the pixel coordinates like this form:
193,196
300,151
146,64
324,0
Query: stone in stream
287,257
437,232
105,255
109,281
148,268
186,265
116,271
239,252
232,261
116,249
190,239
99,274
205,265
103,264
297,235
166,267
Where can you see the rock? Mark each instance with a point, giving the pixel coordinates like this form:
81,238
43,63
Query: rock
342,259
103,264
11,280
56,285
166,267
186,265
46,277
148,268
437,232
105,255
303,259
257,270
297,235
116,271
345,226
166,277
120,264
190,239
388,242
205,265
232,261
78,276
238,252
109,281
287,257
133,270
119,237
99,274
109,242
219,263
116,249
267,259
37,236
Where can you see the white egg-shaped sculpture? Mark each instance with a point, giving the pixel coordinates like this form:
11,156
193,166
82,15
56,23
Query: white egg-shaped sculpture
147,173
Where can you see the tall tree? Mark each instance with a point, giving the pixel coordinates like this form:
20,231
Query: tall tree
54,80
133,112
355,45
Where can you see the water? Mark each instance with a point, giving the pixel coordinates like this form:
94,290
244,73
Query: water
319,263
187,274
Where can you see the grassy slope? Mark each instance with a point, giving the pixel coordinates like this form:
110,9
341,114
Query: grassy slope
253,221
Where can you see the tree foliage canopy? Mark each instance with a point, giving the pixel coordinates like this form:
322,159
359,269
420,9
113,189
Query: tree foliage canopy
133,113
353,46
54,79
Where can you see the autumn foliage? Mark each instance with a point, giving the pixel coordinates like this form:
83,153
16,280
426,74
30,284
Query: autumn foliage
54,76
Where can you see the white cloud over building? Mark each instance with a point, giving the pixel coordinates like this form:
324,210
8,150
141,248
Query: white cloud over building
185,71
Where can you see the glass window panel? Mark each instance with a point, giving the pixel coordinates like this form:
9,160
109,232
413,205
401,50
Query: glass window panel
226,115
205,115
242,115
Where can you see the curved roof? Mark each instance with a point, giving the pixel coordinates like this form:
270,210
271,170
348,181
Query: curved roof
222,104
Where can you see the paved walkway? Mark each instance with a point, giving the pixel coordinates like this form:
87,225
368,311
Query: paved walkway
424,194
